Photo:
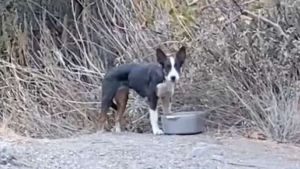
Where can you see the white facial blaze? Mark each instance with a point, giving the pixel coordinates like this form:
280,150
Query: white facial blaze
173,72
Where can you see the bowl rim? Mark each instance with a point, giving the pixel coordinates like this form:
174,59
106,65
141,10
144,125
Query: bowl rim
186,113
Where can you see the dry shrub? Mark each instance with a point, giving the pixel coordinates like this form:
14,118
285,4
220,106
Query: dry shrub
242,63
259,65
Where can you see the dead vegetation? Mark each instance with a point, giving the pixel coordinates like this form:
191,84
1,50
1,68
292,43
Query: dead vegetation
243,61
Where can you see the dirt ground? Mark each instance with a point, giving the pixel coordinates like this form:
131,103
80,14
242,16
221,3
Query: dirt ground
146,151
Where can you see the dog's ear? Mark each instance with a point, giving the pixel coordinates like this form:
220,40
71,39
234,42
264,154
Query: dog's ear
160,56
181,55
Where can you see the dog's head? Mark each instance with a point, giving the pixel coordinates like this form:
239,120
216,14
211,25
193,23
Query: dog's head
172,65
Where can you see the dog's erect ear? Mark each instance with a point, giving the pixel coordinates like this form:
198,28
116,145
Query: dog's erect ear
160,56
181,55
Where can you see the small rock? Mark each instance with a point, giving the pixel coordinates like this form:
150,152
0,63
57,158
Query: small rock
199,151
6,154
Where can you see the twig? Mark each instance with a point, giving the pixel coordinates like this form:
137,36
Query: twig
143,116
236,163
253,15
240,8
275,25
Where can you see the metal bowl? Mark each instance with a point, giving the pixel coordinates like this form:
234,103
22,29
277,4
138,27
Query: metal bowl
191,122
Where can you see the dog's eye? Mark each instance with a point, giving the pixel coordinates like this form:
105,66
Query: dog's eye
168,66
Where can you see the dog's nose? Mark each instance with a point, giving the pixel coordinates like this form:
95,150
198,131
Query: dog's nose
173,78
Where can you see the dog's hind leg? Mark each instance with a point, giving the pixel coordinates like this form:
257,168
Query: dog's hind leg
109,90
121,99
103,115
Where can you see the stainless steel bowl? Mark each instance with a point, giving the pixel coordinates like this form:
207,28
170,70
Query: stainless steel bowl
191,122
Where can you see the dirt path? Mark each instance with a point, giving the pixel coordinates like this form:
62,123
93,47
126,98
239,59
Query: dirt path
146,151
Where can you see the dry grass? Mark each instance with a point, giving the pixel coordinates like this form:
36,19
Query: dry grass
243,62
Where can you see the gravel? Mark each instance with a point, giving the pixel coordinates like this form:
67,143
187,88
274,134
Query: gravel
146,151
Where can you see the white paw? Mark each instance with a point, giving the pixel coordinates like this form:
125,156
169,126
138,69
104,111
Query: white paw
158,132
118,130
102,131
102,128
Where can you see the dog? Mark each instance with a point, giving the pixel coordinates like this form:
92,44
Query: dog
153,81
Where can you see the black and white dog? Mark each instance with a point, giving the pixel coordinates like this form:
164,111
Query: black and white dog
150,80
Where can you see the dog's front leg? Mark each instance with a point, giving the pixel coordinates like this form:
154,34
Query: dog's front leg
166,104
153,99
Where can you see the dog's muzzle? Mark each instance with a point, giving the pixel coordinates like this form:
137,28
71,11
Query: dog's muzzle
173,78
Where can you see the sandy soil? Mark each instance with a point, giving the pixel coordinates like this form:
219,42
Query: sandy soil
146,151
